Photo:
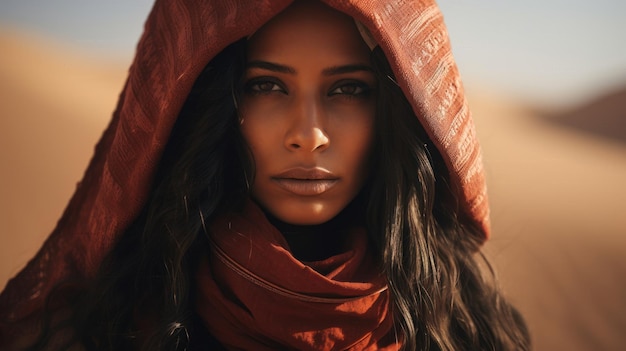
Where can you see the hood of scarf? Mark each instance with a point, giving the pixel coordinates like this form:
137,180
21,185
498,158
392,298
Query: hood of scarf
180,38
254,295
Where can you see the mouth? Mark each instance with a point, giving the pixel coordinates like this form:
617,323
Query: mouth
306,181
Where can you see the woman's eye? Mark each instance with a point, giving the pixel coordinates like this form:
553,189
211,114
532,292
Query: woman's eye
263,86
350,89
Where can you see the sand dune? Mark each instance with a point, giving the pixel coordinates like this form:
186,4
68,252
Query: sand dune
557,212
604,116
558,223
54,106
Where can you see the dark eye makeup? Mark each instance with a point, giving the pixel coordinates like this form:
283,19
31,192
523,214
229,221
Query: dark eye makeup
264,85
344,88
351,88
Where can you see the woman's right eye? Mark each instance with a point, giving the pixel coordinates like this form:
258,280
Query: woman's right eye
263,86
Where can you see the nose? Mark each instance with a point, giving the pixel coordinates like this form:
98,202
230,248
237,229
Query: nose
306,131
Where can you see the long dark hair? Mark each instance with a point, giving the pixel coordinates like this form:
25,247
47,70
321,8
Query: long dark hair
428,248
143,294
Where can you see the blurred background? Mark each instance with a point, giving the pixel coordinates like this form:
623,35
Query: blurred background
547,85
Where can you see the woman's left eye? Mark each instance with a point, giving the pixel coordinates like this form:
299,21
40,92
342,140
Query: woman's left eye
350,89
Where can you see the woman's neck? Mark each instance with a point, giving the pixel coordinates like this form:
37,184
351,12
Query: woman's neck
310,243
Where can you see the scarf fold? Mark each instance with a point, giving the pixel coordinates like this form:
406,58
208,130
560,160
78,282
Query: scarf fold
254,295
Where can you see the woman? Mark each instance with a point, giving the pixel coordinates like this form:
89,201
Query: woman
284,176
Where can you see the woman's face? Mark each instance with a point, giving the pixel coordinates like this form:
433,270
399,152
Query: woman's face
308,113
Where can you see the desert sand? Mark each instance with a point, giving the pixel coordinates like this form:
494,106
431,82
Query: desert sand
557,191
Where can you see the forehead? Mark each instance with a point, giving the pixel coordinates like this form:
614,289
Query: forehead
308,28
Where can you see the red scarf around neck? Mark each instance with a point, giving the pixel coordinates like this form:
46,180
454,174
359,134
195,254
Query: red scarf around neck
254,295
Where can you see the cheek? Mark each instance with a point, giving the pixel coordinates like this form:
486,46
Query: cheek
251,136
357,141
258,138
364,151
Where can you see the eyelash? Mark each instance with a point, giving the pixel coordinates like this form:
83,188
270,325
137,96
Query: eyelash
361,89
253,86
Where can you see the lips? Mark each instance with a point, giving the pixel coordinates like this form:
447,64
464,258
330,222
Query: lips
306,181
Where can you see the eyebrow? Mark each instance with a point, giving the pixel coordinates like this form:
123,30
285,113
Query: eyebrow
334,70
275,67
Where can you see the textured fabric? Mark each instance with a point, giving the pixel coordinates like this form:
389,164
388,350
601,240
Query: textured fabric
180,38
254,295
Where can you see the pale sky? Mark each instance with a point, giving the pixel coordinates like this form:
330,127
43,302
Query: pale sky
548,51
543,51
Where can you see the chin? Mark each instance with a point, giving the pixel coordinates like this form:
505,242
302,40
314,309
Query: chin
304,214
